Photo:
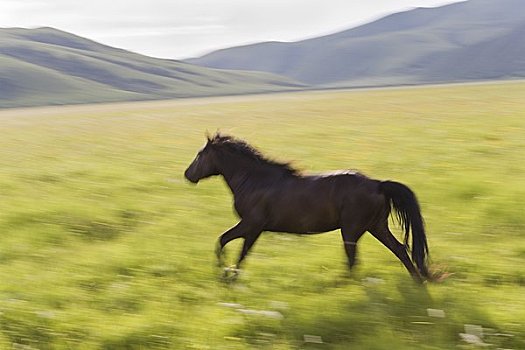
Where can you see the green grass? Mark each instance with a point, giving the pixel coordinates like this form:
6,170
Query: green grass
105,246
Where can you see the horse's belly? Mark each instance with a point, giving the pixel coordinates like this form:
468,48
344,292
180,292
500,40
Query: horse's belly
304,219
302,228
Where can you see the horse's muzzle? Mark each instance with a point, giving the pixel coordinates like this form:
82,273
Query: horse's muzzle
189,177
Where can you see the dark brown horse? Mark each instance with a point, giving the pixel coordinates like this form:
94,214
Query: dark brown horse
272,196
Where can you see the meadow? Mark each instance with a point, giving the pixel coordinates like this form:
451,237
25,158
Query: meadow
104,245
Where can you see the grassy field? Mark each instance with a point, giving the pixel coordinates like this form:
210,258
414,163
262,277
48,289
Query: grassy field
105,246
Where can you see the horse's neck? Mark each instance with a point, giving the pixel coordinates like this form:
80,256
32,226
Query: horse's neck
237,182
244,175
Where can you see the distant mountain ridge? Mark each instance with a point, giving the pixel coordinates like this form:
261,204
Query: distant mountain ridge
464,41
48,66
471,40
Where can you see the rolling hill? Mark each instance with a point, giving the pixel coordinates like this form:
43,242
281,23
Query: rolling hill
472,40
47,66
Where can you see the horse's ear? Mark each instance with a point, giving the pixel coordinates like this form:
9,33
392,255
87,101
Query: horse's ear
208,136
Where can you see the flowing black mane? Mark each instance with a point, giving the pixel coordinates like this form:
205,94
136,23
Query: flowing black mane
240,147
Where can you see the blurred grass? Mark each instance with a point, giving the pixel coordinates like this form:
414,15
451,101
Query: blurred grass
104,245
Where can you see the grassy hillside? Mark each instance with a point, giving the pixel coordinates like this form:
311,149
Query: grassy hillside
469,40
105,246
48,66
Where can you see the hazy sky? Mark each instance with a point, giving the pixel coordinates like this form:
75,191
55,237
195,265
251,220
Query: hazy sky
186,28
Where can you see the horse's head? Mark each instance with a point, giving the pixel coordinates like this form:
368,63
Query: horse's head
204,165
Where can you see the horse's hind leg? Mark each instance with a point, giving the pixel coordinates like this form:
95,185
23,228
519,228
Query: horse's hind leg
351,234
383,234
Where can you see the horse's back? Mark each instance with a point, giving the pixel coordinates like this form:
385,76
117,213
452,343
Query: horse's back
315,203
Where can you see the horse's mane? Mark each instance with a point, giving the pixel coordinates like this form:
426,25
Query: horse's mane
240,147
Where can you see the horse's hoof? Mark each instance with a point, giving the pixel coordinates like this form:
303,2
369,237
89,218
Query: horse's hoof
233,269
231,273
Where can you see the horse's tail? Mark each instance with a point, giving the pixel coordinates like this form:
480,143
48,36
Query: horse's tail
409,216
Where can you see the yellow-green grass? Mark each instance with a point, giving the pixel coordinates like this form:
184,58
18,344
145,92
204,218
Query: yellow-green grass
105,246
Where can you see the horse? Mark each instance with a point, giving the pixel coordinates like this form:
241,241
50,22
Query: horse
274,196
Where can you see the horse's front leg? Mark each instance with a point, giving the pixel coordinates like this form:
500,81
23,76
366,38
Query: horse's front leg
235,232
249,239
249,230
